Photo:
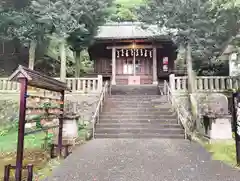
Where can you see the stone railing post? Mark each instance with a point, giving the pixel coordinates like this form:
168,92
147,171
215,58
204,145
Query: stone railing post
100,83
172,82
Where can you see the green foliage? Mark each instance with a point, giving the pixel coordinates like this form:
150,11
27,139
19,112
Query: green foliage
8,116
21,25
85,63
93,14
74,23
61,15
223,151
207,25
124,10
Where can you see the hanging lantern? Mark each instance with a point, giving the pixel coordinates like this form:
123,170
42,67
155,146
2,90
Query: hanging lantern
145,54
122,52
150,54
126,53
118,54
141,50
137,54
132,52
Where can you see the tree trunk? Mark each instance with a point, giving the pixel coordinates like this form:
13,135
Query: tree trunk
191,82
191,86
63,58
78,63
32,51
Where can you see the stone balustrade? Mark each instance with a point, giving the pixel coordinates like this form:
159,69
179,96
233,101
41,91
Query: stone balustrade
77,85
179,84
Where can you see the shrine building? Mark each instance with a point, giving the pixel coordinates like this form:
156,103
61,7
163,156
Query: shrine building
130,54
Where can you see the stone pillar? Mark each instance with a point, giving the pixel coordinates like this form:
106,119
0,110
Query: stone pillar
172,82
100,83
113,66
155,81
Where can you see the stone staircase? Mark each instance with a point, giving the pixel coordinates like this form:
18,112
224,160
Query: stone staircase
138,113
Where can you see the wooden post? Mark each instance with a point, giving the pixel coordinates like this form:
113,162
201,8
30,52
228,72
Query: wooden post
155,81
134,63
7,172
113,66
236,108
30,172
21,128
61,126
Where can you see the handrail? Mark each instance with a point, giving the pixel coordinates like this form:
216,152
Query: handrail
95,117
183,116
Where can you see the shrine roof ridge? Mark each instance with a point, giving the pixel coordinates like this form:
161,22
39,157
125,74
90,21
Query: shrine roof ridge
136,30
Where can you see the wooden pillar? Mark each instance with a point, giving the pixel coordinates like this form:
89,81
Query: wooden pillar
60,129
134,63
21,129
155,81
113,66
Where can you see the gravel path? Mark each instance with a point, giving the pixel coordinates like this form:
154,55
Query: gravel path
142,160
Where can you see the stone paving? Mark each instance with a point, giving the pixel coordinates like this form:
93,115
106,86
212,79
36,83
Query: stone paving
142,160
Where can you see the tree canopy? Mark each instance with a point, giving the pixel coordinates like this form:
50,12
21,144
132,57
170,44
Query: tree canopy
69,22
124,10
206,24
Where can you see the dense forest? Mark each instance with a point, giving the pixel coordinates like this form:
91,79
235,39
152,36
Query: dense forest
59,32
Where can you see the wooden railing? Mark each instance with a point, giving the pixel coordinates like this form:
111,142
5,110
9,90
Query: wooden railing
183,116
204,83
106,90
77,85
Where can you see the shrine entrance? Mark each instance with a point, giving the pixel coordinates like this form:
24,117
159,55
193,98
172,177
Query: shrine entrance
134,66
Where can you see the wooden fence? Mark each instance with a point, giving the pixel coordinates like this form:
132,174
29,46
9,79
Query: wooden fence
204,83
77,85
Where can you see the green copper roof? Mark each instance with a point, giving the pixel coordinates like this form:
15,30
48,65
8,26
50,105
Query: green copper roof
129,30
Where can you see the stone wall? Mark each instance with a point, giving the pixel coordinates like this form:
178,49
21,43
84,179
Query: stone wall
82,104
197,100
8,112
86,106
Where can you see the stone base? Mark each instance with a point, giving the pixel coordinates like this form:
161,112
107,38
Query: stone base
113,82
221,129
218,129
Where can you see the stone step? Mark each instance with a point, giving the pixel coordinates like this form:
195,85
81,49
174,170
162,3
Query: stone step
143,95
140,136
137,101
135,116
134,105
138,105
140,130
138,109
158,97
135,90
137,125
138,120
137,112
139,115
